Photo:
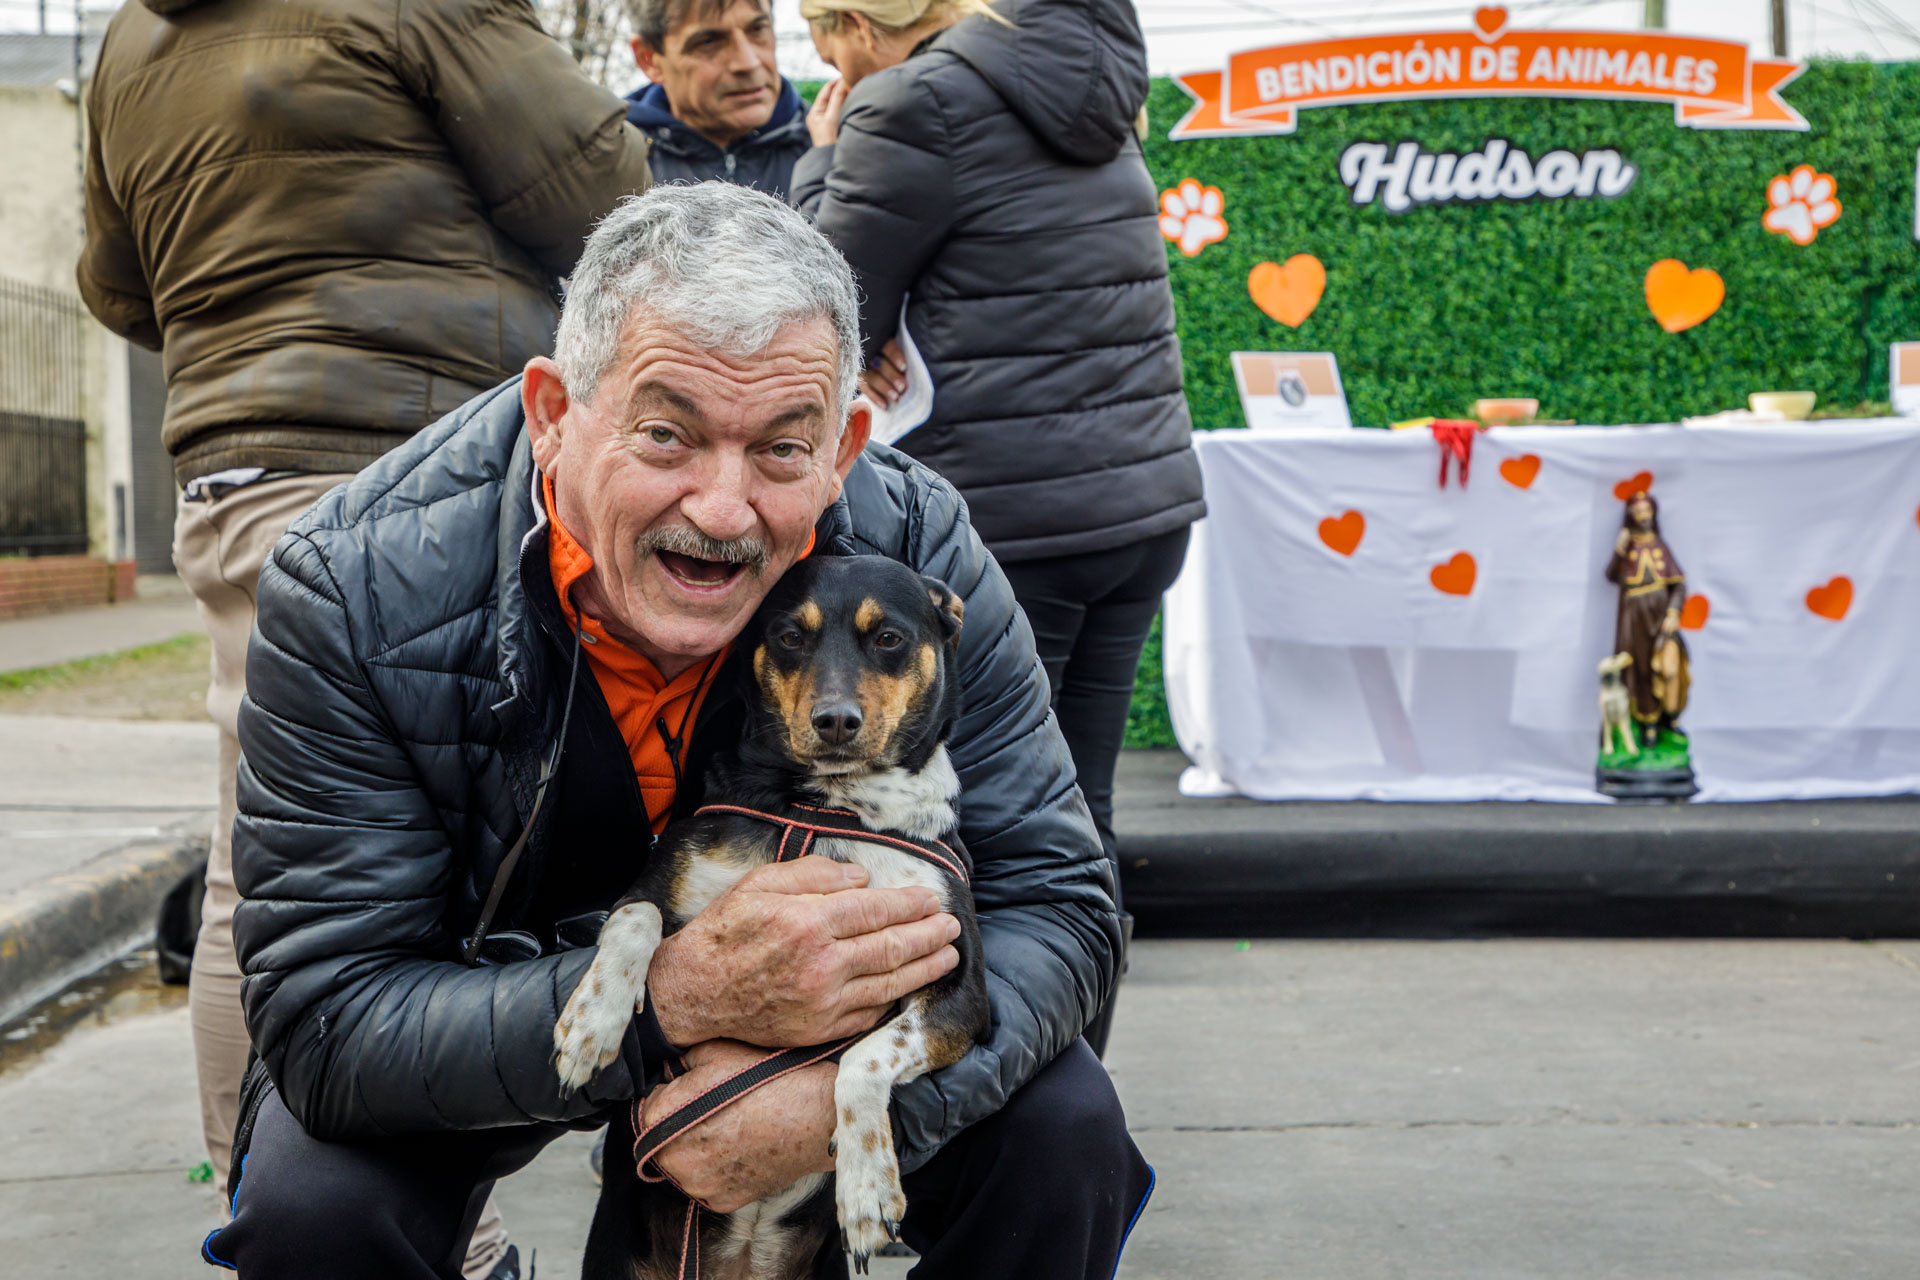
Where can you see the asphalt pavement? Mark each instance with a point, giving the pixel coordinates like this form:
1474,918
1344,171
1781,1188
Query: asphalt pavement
1407,1110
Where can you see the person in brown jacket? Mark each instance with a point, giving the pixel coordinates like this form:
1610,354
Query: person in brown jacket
338,220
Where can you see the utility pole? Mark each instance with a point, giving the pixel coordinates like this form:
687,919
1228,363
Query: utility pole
1653,15
1779,28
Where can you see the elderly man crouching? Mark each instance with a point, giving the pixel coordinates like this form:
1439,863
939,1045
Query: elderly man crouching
408,770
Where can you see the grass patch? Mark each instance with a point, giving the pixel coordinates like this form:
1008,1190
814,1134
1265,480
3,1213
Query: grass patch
1670,752
162,681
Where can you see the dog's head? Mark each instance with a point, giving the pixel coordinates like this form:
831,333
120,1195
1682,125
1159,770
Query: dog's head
853,665
1612,668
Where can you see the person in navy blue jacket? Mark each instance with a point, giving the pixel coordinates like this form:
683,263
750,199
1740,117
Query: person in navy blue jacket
716,106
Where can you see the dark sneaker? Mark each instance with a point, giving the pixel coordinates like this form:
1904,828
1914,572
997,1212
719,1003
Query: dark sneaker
508,1268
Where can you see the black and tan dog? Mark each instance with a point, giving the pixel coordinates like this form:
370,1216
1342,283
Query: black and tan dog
852,667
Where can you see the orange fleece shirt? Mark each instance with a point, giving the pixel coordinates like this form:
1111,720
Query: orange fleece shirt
639,697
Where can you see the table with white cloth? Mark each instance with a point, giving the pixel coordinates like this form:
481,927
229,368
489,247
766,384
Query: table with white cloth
1347,628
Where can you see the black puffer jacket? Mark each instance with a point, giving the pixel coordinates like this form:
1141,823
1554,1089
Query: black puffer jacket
404,687
996,178
762,160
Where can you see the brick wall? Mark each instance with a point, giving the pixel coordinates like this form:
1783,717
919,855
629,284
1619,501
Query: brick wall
44,584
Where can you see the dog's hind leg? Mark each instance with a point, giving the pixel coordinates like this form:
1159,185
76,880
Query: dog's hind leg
587,1036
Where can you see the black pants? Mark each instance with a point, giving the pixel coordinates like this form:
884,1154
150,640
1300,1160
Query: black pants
1047,1188
1091,615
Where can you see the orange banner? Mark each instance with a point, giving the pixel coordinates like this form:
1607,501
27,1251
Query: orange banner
1712,84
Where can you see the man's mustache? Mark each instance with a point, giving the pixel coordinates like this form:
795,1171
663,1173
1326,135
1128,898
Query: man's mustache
685,540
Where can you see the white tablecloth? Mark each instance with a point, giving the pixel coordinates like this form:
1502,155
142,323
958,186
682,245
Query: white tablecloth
1294,671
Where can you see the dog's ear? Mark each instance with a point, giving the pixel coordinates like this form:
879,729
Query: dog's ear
947,605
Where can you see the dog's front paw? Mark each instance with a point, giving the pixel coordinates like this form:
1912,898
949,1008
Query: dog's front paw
589,1032
867,1191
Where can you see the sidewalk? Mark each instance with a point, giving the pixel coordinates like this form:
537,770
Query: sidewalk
1347,1110
159,613
97,816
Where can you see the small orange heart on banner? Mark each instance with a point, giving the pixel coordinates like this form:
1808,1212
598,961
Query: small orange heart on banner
1640,482
1455,577
1519,472
1344,534
1288,293
1491,20
1679,298
1693,614
1833,600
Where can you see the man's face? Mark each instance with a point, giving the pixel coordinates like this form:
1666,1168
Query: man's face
717,67
678,441
1641,512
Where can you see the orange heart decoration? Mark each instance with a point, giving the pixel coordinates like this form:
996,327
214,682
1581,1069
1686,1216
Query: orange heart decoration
1455,577
1344,533
1519,472
1288,293
1491,20
1833,600
1679,298
1693,614
1639,482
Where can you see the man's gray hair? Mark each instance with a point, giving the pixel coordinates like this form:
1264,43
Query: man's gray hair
653,19
726,267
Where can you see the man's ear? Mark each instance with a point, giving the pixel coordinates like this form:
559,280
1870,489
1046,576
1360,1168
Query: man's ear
647,58
853,438
543,399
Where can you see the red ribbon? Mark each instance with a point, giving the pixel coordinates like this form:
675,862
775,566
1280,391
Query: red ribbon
1455,437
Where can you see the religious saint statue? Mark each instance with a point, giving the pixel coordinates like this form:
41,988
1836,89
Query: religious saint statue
1654,762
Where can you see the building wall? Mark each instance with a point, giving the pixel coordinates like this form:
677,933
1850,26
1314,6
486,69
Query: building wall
41,230
40,222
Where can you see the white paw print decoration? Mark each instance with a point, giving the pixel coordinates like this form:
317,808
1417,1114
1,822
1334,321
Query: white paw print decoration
1800,203
1190,216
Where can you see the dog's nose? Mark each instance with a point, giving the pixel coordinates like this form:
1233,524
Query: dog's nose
837,723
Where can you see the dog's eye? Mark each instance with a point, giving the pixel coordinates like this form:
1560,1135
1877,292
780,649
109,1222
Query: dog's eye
790,638
888,640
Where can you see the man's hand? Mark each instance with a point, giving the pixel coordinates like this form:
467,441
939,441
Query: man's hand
823,117
1620,544
798,953
886,381
759,1145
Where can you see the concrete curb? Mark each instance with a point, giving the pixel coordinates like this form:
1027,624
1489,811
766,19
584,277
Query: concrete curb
63,927
1241,868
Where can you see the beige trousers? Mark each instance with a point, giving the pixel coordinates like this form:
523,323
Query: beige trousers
219,548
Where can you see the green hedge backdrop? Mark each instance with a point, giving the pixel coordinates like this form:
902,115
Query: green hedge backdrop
1433,308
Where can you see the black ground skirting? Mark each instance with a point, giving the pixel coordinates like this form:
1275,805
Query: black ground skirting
1238,868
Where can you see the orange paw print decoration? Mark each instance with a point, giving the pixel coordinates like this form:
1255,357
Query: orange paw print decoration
1191,216
1800,203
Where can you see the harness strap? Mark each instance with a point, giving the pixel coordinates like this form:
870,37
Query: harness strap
839,822
797,835
648,1143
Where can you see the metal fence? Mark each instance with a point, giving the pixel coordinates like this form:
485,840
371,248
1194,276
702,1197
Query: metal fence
43,433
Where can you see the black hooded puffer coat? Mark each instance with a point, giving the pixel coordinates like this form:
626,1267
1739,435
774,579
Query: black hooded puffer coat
995,177
404,687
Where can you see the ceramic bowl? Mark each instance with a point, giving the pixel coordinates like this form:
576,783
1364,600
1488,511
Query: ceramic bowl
1497,412
1791,405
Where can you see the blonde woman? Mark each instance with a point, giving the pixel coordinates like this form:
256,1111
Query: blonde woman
981,164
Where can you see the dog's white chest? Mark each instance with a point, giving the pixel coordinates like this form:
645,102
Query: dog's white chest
887,867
